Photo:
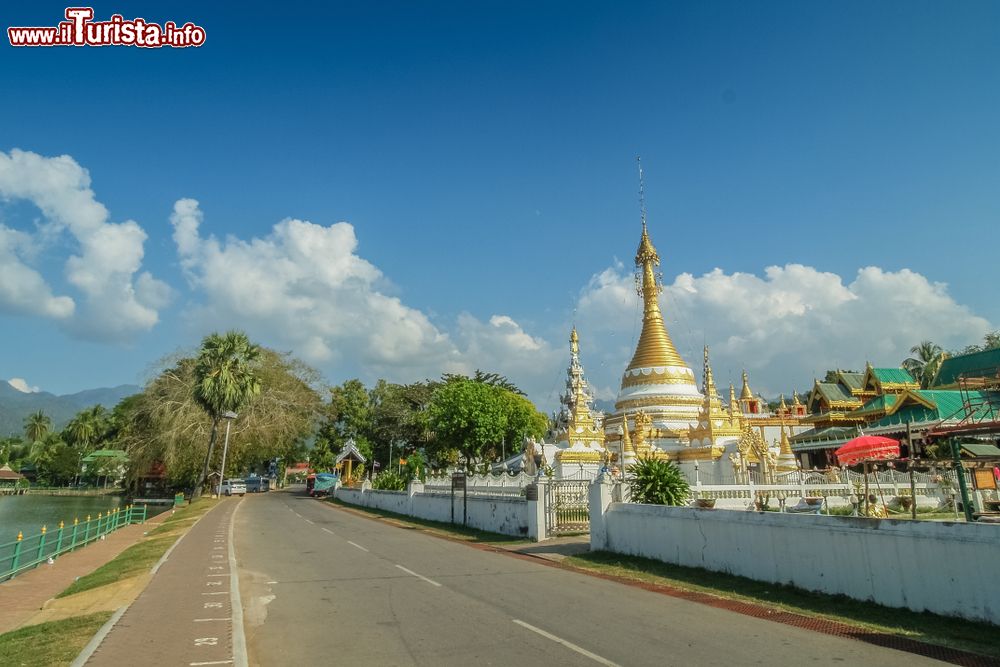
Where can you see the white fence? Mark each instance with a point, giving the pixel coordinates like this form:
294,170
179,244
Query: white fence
943,567
495,513
497,486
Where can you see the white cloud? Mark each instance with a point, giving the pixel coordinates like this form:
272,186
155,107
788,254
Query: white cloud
116,303
785,327
22,386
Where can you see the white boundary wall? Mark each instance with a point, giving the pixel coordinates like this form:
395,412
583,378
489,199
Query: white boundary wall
507,516
944,567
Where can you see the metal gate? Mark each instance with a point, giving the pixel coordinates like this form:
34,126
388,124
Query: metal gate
567,507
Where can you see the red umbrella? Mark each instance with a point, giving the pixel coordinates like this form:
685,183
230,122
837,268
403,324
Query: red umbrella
867,448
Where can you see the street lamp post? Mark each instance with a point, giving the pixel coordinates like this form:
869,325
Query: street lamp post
229,417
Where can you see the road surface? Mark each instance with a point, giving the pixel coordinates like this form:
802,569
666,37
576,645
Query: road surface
324,586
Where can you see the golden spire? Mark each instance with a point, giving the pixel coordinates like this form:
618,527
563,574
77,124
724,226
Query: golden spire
574,343
783,407
745,393
786,457
709,382
795,398
655,348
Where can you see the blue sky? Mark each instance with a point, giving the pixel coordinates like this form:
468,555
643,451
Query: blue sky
483,155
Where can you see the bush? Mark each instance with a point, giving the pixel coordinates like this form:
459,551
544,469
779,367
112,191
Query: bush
657,482
388,481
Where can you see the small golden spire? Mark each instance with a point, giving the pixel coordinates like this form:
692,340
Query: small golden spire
745,393
732,399
795,397
783,406
574,342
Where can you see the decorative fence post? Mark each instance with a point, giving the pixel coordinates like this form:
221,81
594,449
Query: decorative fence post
86,533
17,552
59,538
41,545
76,526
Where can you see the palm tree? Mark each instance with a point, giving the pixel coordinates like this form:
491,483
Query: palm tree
924,363
225,381
36,426
86,428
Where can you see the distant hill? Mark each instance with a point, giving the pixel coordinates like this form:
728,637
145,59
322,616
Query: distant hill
16,405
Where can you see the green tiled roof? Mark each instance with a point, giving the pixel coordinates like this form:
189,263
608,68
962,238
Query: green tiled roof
878,404
835,392
105,454
977,364
948,405
853,381
893,376
980,449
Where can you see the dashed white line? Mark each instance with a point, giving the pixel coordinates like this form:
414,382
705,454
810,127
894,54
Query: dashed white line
418,576
329,531
308,520
211,662
217,593
568,644
358,546
206,620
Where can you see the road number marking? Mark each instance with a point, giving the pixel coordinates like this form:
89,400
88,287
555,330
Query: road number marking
206,641
568,644
213,605
418,576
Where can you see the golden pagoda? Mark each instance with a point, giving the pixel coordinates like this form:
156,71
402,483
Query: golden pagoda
716,426
579,432
657,383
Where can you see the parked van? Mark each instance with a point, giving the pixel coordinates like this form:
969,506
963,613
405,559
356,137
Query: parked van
234,486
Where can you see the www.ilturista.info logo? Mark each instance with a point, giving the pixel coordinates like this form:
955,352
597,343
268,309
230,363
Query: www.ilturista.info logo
81,30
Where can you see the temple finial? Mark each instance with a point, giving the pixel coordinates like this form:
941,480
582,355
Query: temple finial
642,194
574,342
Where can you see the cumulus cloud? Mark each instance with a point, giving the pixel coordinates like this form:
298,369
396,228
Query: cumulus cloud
22,386
118,301
786,326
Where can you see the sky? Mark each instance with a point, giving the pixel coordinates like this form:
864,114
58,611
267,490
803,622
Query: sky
399,190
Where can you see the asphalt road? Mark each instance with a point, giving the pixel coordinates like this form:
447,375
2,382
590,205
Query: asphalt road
323,586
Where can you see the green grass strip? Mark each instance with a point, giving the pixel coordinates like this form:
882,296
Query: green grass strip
140,557
50,644
931,628
452,530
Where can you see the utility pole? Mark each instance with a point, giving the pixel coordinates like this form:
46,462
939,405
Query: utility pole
956,454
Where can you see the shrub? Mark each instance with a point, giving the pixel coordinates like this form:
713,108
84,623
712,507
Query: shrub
388,481
657,482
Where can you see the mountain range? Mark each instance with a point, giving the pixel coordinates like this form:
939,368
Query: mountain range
15,405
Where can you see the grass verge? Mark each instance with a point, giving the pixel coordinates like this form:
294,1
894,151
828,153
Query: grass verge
925,627
46,644
450,530
141,556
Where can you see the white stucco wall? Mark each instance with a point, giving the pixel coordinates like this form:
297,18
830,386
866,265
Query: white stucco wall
943,567
507,516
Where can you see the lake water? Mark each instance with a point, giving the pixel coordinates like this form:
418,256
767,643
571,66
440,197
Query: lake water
30,513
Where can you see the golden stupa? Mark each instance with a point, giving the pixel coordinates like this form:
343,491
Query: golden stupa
658,386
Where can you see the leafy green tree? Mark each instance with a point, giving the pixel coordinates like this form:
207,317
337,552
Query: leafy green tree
656,482
924,363
225,381
36,426
348,416
55,462
473,420
87,429
166,424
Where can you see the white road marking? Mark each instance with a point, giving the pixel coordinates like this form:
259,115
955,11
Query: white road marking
358,546
329,531
216,575
418,576
206,641
568,644
272,582
213,583
211,662
205,620
308,520
217,593
239,641
213,605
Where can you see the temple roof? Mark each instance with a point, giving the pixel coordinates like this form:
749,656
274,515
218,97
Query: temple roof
977,364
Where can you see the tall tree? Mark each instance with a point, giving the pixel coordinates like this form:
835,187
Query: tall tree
86,429
924,363
36,426
472,420
225,381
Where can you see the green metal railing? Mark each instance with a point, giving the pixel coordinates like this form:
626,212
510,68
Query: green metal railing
25,553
